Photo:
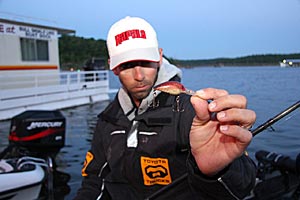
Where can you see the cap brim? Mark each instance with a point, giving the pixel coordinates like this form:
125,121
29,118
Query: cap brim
149,54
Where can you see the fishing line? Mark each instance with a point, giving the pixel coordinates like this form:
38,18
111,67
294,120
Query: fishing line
276,118
282,121
290,116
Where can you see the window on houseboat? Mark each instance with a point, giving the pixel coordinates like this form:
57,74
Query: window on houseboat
34,50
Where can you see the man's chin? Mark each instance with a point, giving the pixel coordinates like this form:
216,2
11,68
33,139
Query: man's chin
141,95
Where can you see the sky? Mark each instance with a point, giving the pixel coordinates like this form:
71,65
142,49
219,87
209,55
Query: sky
186,29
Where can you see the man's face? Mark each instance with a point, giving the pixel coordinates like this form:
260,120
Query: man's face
138,78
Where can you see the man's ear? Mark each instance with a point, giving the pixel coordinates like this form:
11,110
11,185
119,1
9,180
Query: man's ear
116,71
160,55
108,62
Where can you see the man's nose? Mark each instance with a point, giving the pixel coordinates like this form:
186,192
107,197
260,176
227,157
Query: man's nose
138,73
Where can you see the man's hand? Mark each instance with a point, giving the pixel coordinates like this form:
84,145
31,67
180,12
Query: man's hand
219,132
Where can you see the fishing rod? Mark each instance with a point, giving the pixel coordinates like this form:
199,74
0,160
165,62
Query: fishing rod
276,118
254,132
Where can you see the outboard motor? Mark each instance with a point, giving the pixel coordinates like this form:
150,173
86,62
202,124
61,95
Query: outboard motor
38,133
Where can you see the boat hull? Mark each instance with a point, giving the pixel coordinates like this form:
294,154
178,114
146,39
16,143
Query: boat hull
29,192
20,185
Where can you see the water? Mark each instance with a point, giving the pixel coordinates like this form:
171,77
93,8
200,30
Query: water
269,90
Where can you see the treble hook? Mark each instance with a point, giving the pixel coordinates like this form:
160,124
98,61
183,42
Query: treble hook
176,108
154,103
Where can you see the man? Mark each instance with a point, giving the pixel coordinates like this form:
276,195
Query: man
151,145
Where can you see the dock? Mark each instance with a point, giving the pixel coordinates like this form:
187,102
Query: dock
51,91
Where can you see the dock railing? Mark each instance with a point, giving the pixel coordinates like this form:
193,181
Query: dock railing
20,92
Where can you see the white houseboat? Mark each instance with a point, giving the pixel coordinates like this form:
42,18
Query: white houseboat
290,63
30,74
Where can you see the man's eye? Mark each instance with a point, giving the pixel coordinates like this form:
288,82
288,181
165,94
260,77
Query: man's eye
146,64
127,65
134,64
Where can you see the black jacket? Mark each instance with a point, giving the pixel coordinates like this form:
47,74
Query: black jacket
161,158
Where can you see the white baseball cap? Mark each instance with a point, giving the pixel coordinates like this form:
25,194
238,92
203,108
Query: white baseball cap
130,39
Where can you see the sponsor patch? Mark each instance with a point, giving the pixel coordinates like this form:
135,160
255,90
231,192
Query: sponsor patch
88,158
155,171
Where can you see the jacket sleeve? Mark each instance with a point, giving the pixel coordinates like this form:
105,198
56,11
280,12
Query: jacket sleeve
94,166
234,182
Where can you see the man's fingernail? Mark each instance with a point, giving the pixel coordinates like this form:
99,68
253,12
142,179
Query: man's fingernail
223,127
212,105
221,114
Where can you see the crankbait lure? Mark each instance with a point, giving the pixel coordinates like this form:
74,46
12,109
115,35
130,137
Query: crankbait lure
173,88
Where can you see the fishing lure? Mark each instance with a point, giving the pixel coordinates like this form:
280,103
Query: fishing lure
173,88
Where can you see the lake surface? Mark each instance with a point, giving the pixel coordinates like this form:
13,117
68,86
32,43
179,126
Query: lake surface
269,90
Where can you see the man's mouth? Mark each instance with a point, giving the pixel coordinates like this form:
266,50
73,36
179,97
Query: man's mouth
141,87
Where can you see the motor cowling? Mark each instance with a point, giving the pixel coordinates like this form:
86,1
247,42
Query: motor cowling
38,131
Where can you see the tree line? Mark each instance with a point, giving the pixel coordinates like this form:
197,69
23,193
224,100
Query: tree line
75,51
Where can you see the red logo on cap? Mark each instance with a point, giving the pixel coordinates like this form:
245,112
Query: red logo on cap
135,33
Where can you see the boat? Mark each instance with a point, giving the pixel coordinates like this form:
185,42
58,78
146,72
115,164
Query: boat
278,177
290,63
27,164
21,178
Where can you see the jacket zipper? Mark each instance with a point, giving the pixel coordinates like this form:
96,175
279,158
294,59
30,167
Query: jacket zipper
102,189
227,188
102,168
102,186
